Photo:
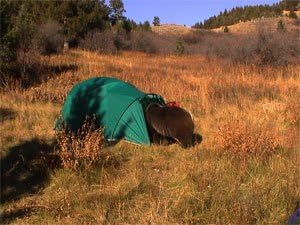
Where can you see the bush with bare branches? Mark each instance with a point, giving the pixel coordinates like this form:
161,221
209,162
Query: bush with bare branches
245,138
102,42
50,39
264,47
144,41
80,150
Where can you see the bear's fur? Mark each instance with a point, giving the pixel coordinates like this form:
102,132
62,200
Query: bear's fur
170,124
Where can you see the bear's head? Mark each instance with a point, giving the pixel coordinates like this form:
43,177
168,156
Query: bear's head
170,122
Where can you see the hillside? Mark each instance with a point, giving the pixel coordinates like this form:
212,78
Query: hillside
248,27
247,13
292,25
171,29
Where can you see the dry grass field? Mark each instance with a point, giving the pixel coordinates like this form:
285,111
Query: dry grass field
246,170
171,29
249,27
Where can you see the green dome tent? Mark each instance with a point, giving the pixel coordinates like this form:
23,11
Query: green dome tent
118,108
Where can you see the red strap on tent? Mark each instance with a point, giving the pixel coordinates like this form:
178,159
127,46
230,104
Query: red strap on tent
173,104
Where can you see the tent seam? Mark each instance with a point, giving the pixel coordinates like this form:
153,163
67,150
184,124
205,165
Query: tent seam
113,133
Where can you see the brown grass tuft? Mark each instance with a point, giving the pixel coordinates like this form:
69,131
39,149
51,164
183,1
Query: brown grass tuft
80,150
242,138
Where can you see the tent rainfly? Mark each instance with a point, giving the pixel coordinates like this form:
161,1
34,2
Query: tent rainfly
118,107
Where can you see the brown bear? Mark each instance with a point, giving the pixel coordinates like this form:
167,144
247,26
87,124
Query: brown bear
170,124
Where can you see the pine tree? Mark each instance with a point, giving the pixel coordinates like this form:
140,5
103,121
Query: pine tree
245,13
290,5
293,15
281,26
179,47
146,25
226,29
156,21
117,10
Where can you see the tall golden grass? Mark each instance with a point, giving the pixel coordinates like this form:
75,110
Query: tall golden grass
80,150
244,172
205,87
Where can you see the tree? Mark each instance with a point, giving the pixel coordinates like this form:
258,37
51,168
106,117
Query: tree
50,39
226,29
126,25
79,17
20,21
145,26
18,43
290,5
197,25
230,17
8,40
117,10
293,15
76,17
156,21
281,26
179,49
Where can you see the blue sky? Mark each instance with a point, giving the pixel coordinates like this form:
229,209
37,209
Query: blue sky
182,12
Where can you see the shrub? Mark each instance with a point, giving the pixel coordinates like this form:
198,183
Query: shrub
179,49
245,137
262,48
125,25
102,42
156,21
81,150
143,41
270,48
144,26
29,67
281,26
192,37
235,49
121,39
16,46
293,15
226,29
50,39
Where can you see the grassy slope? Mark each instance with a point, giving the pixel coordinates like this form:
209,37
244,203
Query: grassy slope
249,27
171,29
217,181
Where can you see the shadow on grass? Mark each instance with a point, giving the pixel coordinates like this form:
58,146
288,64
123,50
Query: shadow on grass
6,114
25,169
60,68
7,217
34,74
44,72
